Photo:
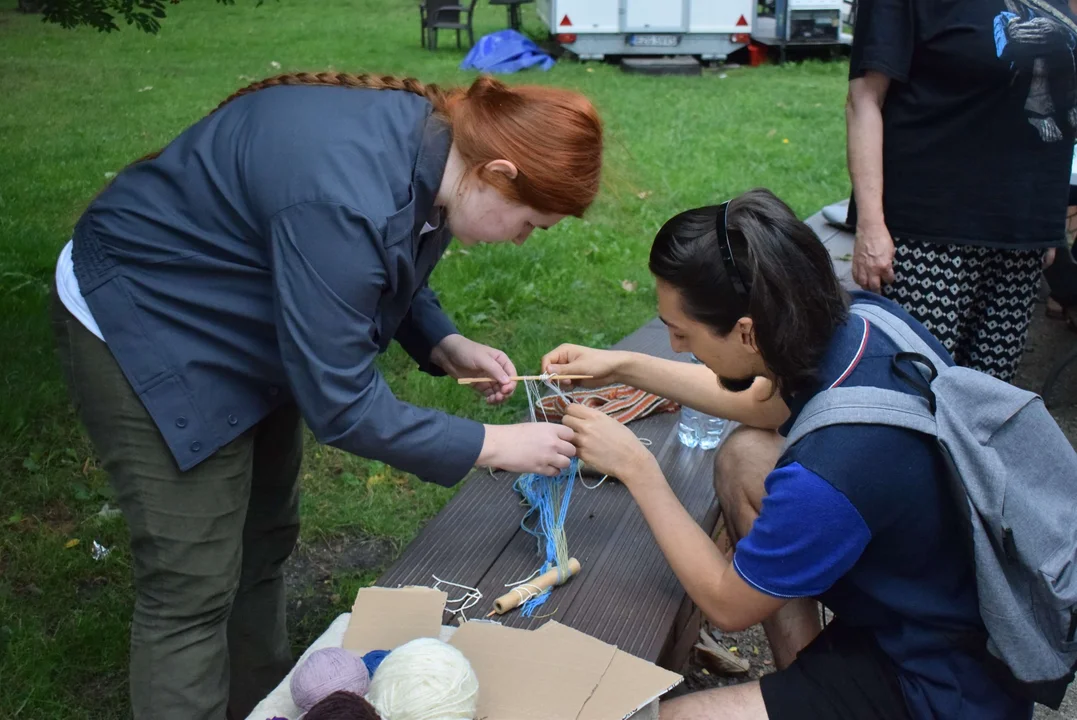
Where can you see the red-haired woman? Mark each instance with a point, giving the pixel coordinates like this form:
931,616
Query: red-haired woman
247,276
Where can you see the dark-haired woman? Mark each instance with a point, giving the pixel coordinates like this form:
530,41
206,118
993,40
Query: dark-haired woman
249,275
857,517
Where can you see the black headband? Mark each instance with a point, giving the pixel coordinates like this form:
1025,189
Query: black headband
731,269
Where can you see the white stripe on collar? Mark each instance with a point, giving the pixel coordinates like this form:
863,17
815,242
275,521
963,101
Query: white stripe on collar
856,358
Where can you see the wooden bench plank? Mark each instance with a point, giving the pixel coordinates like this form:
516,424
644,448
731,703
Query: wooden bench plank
626,594
462,541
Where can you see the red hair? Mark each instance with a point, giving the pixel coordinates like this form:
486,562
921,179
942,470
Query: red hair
552,136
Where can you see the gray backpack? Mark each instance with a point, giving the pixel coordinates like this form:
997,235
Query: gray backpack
1015,477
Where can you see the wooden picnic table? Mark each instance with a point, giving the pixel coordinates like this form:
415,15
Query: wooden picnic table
626,593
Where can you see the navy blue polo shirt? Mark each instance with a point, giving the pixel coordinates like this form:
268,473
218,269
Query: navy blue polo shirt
861,518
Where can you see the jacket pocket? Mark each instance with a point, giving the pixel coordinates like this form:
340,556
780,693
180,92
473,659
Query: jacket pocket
401,224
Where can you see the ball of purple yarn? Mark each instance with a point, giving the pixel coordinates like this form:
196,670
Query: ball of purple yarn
373,659
326,671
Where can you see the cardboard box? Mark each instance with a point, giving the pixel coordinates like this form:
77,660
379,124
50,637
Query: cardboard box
390,618
553,673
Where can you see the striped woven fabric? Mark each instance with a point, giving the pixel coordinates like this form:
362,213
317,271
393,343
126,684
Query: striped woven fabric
621,402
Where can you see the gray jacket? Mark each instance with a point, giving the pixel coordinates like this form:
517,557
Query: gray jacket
273,251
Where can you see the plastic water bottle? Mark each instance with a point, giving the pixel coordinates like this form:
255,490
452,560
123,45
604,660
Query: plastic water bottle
699,430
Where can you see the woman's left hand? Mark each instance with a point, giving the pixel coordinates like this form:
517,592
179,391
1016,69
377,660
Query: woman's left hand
605,444
460,357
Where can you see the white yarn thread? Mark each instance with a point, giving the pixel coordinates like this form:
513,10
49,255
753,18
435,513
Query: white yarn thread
425,679
646,443
468,600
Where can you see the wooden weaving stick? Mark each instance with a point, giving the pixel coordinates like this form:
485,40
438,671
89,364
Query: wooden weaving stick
469,381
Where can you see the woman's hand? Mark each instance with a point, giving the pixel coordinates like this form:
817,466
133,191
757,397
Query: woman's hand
873,258
576,360
543,448
608,446
460,357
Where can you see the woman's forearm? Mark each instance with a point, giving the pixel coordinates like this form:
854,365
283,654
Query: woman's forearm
707,576
864,124
697,387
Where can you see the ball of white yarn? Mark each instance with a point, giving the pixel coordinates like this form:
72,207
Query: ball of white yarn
425,679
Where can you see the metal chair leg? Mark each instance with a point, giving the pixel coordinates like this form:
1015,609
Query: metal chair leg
1052,378
458,45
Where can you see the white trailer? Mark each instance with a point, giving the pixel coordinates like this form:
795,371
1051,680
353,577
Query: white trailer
707,29
593,29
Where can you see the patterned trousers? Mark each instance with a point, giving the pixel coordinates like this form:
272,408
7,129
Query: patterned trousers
977,301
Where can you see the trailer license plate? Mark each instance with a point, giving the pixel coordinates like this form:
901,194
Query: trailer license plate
654,40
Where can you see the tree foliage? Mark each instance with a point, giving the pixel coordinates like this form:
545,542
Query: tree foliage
146,15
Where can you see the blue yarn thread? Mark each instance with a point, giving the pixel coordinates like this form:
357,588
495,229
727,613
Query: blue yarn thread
373,659
549,496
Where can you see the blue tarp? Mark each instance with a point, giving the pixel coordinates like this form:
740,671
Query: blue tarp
506,51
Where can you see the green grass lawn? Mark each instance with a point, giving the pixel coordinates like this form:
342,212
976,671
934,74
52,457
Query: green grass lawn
77,105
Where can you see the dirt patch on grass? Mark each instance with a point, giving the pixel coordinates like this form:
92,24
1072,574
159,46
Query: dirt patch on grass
311,578
104,688
56,518
88,589
316,563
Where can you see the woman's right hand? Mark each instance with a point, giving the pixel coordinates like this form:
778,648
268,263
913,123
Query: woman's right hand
873,257
543,448
602,365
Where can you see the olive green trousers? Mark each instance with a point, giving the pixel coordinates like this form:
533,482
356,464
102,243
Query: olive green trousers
208,636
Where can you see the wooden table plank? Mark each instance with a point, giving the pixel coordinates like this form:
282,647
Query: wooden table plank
462,541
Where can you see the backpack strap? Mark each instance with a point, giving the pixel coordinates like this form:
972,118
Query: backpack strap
862,406
899,332
871,405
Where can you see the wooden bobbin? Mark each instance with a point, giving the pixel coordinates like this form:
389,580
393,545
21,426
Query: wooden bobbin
524,591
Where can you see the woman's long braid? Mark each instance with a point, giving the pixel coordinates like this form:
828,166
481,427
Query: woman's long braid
438,98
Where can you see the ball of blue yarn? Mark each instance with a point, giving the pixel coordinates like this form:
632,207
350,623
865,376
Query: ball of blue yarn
373,659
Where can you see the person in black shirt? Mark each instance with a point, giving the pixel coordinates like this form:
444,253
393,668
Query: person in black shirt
961,120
